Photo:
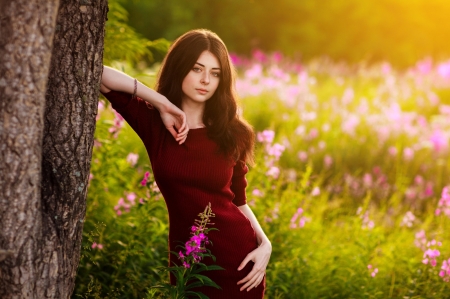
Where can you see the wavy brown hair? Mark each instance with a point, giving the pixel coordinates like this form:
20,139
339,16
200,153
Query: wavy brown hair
234,136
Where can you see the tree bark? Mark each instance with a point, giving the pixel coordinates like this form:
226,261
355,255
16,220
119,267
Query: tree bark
69,125
45,161
26,31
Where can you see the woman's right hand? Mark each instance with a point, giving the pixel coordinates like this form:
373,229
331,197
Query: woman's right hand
173,117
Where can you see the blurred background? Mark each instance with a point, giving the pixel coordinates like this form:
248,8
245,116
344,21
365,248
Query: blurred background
350,102
399,31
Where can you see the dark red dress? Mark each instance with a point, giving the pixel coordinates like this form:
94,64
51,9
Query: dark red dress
190,176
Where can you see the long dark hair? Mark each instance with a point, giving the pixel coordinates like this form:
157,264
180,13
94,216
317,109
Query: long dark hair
234,136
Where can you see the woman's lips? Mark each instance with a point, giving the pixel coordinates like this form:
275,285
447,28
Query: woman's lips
201,91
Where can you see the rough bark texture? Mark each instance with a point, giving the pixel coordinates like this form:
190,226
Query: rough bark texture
26,31
71,107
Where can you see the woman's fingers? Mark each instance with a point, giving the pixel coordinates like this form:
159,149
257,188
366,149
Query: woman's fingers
173,132
183,122
182,141
181,135
257,282
251,281
249,276
247,259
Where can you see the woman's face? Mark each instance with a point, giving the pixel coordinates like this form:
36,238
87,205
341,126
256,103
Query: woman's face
202,80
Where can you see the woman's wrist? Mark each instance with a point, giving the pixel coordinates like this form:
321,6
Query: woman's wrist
116,80
264,242
160,102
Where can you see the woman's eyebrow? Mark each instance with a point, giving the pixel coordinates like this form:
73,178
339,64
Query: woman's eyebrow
214,68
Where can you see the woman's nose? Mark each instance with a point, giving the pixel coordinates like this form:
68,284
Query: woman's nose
205,78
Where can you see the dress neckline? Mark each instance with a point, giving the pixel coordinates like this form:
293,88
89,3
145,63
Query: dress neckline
197,133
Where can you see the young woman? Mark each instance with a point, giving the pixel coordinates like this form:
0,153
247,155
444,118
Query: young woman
198,147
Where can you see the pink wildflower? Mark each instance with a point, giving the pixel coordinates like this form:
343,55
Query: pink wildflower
367,180
444,202
322,144
302,220
420,240
418,180
265,136
408,153
313,133
122,204
445,270
431,254
367,223
131,197
392,151
303,156
259,55
235,59
300,130
276,150
118,124
439,140
132,158
257,192
408,219
373,272
315,191
428,189
145,179
155,187
328,160
273,172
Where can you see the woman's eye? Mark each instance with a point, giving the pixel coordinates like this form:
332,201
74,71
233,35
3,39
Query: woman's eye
196,69
216,74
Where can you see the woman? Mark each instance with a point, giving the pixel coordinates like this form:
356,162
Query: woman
198,148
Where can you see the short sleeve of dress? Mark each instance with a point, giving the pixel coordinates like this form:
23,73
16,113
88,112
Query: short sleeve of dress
239,183
138,113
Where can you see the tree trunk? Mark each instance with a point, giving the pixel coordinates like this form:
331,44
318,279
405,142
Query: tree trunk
69,125
26,31
41,228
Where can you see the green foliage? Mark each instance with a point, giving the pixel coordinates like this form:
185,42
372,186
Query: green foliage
188,274
123,43
135,243
328,256
400,31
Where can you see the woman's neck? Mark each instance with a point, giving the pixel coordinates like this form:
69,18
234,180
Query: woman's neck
194,113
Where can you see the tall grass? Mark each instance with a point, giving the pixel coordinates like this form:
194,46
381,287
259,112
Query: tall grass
351,166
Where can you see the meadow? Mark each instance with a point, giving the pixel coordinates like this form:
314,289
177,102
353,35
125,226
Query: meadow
351,183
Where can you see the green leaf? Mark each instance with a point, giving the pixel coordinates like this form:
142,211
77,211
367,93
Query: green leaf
198,294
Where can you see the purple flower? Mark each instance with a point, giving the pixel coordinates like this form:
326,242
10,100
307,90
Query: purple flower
257,192
445,270
273,172
265,136
132,158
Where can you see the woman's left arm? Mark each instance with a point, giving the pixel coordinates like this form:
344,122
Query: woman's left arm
260,256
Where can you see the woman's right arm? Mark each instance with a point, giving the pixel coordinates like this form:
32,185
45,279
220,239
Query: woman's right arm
171,115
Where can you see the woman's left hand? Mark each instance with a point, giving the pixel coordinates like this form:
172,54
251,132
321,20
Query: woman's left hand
260,256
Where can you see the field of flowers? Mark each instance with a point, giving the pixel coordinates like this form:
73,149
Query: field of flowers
351,185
